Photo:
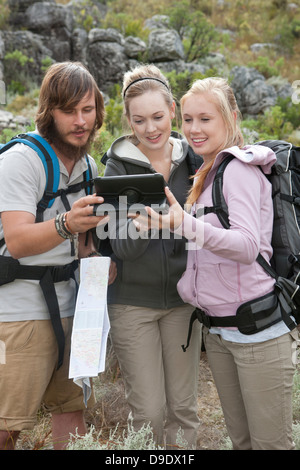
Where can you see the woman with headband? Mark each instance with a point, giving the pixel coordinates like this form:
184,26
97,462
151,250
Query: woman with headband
148,319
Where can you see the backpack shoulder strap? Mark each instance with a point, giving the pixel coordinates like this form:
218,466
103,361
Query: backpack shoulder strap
219,204
49,160
88,177
51,167
194,161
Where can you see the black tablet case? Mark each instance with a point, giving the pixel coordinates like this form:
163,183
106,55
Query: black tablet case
131,191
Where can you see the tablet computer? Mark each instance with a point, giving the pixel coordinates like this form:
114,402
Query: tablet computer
131,192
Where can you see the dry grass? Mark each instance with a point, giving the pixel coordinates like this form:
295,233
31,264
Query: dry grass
212,429
111,410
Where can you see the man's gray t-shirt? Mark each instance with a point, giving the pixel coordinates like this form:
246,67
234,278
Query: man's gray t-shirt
22,184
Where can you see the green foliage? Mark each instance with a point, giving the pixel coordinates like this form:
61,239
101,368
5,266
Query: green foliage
5,12
262,64
87,15
137,9
46,62
15,72
270,125
284,35
197,32
102,142
295,28
291,111
127,25
7,134
181,82
114,113
17,58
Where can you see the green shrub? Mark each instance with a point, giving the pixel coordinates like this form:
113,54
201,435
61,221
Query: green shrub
101,144
291,111
114,111
15,71
272,124
262,64
86,14
197,32
127,25
5,12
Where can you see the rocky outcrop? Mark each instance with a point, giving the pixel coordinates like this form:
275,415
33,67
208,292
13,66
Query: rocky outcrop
47,31
252,92
9,121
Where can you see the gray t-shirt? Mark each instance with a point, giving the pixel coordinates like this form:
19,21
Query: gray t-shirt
22,184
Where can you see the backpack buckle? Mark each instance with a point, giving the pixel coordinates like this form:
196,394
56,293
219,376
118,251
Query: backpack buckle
203,318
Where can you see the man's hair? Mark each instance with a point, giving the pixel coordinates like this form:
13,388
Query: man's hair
63,87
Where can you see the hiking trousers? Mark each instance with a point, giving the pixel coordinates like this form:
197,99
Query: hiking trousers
160,379
255,385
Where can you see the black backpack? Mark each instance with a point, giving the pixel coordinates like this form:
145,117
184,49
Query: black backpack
284,303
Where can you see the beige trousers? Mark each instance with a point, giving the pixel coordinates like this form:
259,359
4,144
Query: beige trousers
160,379
254,382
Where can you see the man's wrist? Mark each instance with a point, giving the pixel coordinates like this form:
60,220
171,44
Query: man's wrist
61,227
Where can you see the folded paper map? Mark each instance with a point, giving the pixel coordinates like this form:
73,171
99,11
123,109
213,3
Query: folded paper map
91,323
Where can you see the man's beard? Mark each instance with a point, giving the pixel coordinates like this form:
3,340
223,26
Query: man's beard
69,151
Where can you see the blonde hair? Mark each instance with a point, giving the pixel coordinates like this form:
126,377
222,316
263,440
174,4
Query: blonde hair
145,78
224,98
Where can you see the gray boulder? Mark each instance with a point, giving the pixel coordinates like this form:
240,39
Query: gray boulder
44,16
31,45
79,45
106,58
106,35
9,121
252,92
164,45
134,47
157,22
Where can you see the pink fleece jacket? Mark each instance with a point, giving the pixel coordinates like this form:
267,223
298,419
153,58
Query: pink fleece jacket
221,271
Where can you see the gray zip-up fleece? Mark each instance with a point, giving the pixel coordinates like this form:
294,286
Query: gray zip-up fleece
149,269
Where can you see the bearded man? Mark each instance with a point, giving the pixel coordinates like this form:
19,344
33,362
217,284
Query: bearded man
70,111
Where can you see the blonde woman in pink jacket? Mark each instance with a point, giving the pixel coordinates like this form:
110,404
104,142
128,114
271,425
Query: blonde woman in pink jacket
253,373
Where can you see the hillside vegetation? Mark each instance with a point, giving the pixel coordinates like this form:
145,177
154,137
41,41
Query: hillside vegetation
226,27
